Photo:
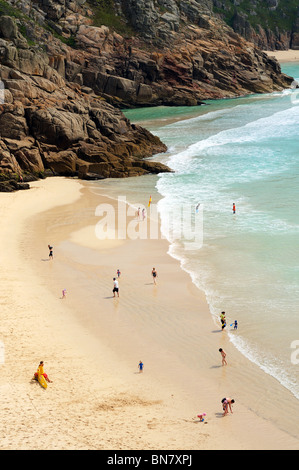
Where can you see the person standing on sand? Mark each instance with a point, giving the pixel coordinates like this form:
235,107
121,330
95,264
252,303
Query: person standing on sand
140,366
155,275
223,320
223,354
227,403
115,287
50,251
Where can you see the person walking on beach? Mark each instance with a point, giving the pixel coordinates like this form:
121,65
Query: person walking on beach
50,251
115,287
234,208
140,367
227,404
118,273
63,293
223,354
155,275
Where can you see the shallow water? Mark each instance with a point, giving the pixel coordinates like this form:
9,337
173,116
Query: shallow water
242,151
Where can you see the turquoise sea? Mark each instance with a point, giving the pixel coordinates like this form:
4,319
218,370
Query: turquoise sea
243,151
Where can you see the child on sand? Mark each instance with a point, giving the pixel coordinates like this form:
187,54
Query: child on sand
223,354
201,417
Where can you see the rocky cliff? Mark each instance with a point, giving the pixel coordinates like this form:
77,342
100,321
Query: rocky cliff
68,67
269,24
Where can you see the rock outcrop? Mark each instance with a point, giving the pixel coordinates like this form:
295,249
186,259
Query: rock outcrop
49,126
66,77
269,24
180,56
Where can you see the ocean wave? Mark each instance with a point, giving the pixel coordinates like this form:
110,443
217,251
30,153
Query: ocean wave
280,124
209,115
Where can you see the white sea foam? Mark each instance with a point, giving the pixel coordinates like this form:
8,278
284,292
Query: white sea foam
280,125
252,162
244,151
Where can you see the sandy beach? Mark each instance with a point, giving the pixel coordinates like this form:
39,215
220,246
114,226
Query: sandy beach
91,343
290,55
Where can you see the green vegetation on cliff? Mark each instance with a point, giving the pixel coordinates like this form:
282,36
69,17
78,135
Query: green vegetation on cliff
280,15
105,14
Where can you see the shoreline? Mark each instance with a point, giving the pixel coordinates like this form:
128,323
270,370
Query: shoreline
290,55
91,343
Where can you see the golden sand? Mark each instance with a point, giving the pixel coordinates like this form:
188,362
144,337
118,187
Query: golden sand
91,343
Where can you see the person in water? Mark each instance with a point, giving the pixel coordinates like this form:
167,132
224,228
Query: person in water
40,371
234,208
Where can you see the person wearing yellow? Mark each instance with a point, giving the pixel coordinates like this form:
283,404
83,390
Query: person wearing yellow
40,371
223,320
